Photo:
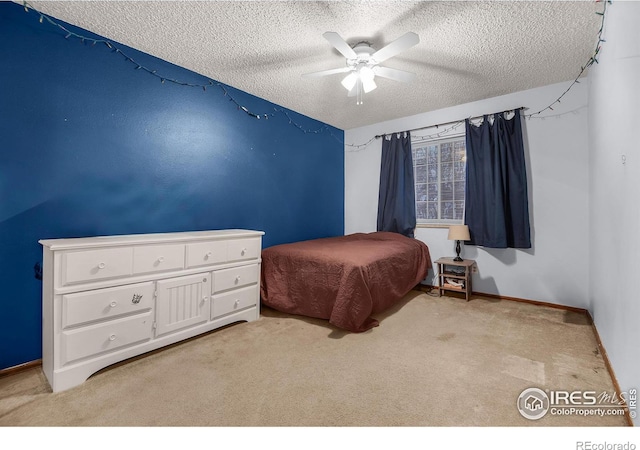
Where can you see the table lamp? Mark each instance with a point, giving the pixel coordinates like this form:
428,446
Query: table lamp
458,233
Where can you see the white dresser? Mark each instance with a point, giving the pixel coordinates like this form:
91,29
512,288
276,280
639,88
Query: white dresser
108,298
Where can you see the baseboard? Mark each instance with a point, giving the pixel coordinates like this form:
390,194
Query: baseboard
533,302
426,288
607,364
20,368
601,348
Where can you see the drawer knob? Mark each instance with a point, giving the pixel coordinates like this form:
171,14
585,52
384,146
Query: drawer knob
207,255
161,259
238,279
244,250
112,337
113,304
205,298
236,304
102,265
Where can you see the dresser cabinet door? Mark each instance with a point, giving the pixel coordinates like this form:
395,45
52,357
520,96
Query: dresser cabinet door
182,302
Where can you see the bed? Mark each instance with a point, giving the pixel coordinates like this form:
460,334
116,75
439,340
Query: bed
344,279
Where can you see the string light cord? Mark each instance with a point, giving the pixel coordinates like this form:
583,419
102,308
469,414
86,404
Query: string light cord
438,134
324,128
593,59
359,147
536,115
414,138
163,79
575,111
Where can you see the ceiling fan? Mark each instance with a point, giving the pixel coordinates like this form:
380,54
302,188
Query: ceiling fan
363,63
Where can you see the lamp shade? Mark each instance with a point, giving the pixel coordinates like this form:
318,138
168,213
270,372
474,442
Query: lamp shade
459,233
350,81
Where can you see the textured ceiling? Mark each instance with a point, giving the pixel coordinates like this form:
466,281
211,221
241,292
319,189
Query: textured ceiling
468,50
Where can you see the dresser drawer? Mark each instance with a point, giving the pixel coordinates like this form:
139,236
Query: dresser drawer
241,249
206,253
105,303
235,277
104,337
233,301
91,265
158,258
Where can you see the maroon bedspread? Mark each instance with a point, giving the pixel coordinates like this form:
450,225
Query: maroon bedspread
344,279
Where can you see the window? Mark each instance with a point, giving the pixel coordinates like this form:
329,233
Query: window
439,173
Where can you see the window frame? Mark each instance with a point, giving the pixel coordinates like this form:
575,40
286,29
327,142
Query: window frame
425,143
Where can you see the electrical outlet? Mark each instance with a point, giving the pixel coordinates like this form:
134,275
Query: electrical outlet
474,268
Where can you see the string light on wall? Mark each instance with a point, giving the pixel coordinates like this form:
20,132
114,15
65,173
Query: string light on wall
164,79
536,115
438,134
358,147
593,59
324,128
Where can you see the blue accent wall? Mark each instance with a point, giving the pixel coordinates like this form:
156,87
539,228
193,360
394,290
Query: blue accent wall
91,146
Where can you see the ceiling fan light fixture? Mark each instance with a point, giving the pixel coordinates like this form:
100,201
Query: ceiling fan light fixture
366,73
350,81
362,61
368,84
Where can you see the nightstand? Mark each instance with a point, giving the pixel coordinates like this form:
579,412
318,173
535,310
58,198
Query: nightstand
455,276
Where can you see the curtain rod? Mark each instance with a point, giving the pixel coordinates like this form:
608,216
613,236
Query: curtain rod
378,136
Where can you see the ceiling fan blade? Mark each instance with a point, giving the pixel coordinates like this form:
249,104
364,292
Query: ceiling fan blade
340,44
323,73
404,42
394,74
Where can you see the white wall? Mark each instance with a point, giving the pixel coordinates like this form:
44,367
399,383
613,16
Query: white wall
555,269
614,240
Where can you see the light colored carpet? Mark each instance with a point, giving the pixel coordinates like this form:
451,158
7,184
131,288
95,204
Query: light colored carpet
431,362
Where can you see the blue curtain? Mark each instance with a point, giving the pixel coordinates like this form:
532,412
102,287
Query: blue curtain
396,201
496,203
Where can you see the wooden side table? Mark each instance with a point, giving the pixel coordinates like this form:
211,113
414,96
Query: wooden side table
457,271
